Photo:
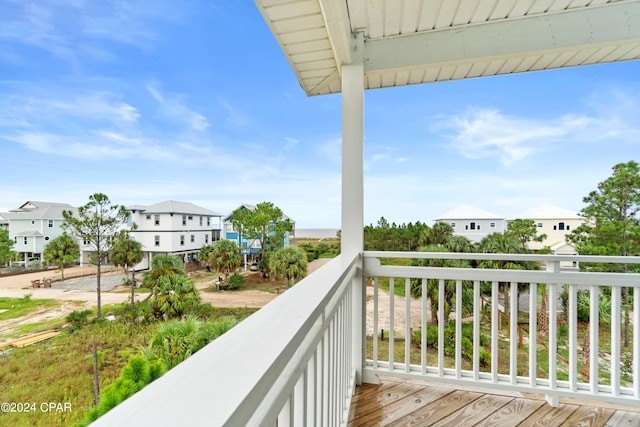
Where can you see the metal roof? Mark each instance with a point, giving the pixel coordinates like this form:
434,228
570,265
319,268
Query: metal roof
423,41
173,206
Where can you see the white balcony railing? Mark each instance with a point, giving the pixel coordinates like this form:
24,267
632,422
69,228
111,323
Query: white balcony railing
297,360
600,372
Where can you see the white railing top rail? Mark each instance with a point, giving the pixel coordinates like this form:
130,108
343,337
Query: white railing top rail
239,379
511,257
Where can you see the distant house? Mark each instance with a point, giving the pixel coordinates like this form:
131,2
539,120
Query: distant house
473,223
172,227
556,223
249,246
32,226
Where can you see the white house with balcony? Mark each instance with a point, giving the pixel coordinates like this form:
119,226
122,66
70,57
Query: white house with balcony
33,225
173,227
473,223
298,360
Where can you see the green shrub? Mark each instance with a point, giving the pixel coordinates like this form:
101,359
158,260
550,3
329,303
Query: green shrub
78,319
236,281
449,341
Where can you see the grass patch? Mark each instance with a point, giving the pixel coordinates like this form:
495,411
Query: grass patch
18,307
60,370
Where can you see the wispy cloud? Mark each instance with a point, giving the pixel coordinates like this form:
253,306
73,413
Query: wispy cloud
488,133
174,106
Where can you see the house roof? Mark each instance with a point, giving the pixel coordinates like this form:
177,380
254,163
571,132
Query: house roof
38,210
172,206
407,42
548,212
468,212
252,207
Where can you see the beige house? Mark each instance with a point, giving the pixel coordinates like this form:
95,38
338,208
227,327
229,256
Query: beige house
556,223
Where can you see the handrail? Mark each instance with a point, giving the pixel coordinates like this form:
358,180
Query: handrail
508,377
279,363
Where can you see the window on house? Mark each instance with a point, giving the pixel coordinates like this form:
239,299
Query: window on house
466,227
206,238
539,225
561,226
568,227
184,220
453,225
472,225
50,225
15,240
208,221
25,240
33,222
190,217
200,219
156,239
148,217
46,238
156,219
492,225
193,238
215,235
182,240
555,227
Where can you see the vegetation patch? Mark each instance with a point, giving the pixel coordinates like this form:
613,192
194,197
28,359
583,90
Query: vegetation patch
13,308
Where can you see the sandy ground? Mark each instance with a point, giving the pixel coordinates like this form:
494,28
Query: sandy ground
78,293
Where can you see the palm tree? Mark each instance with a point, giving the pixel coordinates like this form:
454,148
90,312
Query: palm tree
459,244
162,265
174,295
205,254
125,251
62,250
226,257
433,285
498,243
289,263
440,234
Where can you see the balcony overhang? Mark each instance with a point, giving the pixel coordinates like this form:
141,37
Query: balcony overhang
412,41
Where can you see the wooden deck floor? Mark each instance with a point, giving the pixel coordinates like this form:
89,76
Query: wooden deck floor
400,403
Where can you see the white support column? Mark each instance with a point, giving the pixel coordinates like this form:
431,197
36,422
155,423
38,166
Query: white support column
352,237
353,151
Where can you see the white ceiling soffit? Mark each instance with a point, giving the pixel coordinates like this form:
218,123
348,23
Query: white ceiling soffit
424,41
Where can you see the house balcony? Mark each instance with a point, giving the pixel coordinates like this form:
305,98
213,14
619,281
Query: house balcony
301,359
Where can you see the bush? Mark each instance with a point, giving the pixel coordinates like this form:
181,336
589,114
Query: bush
236,281
78,319
450,341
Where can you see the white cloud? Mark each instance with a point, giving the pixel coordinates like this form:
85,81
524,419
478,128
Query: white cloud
174,106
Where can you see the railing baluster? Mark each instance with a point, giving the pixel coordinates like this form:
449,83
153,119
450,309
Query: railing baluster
495,312
375,322
636,342
477,302
423,326
513,331
572,317
407,325
553,343
594,338
533,334
615,340
392,306
441,324
458,328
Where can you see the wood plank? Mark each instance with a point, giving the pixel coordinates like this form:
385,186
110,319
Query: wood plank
377,402
443,407
589,416
548,416
476,411
365,391
624,418
403,408
512,413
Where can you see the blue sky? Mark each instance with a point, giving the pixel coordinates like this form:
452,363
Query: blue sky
194,101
